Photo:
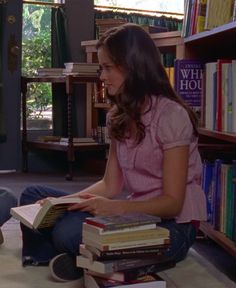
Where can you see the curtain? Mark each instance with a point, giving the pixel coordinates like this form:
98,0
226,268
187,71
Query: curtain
60,55
2,124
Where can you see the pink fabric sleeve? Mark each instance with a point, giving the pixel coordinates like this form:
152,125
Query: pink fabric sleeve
174,127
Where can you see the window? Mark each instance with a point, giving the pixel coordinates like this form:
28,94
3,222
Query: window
173,6
36,53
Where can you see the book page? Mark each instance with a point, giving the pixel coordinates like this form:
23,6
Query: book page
26,213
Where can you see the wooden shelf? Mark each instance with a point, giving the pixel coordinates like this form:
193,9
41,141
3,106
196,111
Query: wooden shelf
219,238
57,146
168,42
220,32
219,42
229,137
69,81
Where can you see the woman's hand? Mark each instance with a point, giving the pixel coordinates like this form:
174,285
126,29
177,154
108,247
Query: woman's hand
97,205
42,201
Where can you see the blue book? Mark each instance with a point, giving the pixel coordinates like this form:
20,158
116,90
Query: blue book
207,186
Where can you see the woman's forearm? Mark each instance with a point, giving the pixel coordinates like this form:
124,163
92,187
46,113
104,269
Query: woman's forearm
162,206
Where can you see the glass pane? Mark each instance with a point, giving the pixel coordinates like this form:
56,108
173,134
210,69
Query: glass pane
36,53
176,6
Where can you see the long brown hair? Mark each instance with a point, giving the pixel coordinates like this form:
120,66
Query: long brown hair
130,47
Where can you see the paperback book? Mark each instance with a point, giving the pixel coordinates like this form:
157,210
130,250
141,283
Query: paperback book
37,216
125,244
188,81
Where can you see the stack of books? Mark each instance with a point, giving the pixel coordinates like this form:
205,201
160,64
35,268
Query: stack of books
124,250
80,68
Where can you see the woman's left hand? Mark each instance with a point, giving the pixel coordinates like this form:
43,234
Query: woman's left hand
97,205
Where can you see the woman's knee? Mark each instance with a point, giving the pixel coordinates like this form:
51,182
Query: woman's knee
182,237
67,233
30,195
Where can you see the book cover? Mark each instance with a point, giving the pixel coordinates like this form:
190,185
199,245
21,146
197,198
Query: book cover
37,216
134,273
122,221
147,281
188,81
143,252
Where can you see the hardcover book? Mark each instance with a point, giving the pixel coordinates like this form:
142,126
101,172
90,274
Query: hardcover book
188,81
95,254
136,272
37,216
112,266
100,231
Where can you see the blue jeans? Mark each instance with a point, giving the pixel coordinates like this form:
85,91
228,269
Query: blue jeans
7,200
40,246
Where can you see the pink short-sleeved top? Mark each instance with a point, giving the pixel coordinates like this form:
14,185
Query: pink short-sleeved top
167,125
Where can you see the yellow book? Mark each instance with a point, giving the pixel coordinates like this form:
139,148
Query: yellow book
201,17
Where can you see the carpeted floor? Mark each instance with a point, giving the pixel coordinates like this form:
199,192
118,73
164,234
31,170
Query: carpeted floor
195,271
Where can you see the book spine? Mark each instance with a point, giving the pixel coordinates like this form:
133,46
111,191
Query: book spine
115,226
133,274
133,253
125,245
130,236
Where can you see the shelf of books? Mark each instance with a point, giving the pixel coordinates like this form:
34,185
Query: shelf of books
209,31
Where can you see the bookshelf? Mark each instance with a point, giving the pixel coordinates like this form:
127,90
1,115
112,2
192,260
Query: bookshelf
69,148
209,46
167,42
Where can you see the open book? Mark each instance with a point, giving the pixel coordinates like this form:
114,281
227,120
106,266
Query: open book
41,216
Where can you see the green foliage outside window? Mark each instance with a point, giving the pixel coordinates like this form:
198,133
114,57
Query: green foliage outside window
36,53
